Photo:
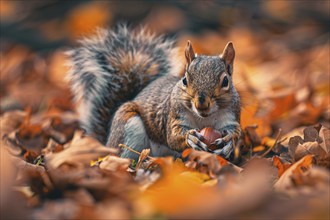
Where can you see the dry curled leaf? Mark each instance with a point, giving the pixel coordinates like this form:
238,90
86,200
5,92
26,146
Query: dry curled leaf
62,129
312,144
79,152
285,182
113,163
32,136
282,167
206,162
144,154
10,121
325,137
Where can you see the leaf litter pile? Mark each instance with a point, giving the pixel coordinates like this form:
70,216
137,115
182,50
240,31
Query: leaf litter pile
50,169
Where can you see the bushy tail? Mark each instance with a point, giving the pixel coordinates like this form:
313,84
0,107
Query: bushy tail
113,67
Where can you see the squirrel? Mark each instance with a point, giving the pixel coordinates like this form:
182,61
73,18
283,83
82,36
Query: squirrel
128,90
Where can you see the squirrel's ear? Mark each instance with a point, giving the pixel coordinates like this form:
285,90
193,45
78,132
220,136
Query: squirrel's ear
189,53
228,55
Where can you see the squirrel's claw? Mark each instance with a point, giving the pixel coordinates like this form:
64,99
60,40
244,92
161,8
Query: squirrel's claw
225,145
194,140
226,151
221,142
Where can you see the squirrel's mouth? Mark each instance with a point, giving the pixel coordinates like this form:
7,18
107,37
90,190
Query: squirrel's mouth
202,114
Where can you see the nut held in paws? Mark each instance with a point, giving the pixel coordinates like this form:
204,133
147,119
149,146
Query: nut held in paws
210,136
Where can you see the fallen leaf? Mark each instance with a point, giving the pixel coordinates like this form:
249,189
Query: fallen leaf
325,136
144,154
311,144
284,183
282,167
282,102
32,137
253,138
311,134
174,193
114,163
10,121
258,148
312,148
62,129
94,14
80,152
206,162
249,117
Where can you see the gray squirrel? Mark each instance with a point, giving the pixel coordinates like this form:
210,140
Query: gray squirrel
128,90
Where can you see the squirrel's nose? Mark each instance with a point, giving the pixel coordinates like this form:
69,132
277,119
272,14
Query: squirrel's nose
202,103
201,99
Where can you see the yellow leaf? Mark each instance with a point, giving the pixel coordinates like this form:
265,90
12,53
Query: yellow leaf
258,148
196,176
177,191
268,141
210,183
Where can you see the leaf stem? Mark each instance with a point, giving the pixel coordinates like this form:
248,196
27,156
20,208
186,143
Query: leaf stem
276,141
130,149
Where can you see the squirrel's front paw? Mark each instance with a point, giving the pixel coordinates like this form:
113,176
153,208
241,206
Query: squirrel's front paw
195,140
224,145
226,149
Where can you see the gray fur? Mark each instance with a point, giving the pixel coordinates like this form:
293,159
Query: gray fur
128,91
100,86
135,137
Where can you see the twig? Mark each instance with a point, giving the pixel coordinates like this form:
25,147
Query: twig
130,149
276,141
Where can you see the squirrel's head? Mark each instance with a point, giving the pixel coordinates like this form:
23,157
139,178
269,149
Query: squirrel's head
207,83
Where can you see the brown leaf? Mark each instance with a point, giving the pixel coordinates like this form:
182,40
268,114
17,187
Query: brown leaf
58,209
311,144
325,137
32,137
7,174
144,154
10,121
252,135
282,167
306,148
206,162
62,129
33,175
311,134
80,152
293,144
114,163
285,183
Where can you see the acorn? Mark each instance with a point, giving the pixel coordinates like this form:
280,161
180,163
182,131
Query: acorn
210,136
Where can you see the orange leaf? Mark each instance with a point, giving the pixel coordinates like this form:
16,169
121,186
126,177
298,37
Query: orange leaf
282,167
285,181
248,117
85,18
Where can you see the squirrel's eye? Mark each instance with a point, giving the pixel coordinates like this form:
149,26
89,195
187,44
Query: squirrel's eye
225,82
184,81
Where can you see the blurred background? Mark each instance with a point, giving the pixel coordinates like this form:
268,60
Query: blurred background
281,71
282,47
